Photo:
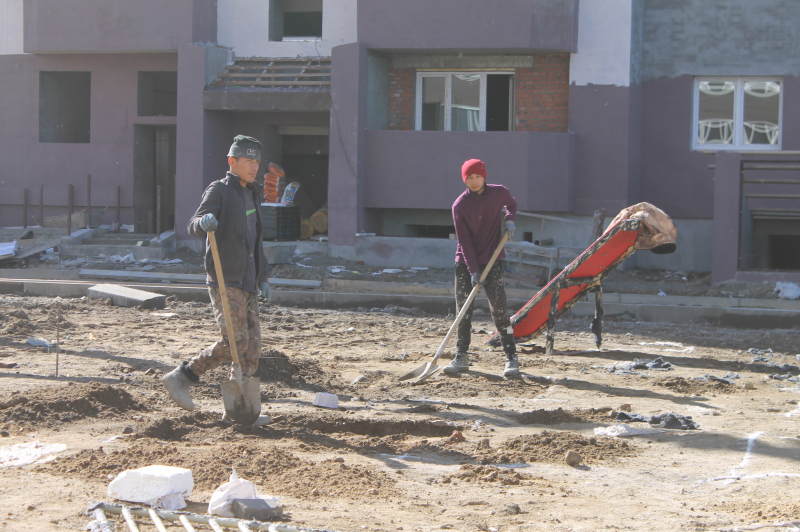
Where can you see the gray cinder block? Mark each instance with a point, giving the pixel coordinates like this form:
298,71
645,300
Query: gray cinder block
127,297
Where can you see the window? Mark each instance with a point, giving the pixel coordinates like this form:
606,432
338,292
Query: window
64,103
157,94
464,101
295,20
737,113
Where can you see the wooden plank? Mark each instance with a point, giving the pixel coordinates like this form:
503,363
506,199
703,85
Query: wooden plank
274,83
298,66
261,75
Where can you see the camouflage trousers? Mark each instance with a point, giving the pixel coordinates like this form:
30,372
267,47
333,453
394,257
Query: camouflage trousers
246,329
494,286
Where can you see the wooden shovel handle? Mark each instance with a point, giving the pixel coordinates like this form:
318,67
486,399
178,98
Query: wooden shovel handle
472,295
212,239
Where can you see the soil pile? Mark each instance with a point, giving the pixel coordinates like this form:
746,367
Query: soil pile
551,446
64,404
559,415
332,423
482,473
170,429
692,386
274,470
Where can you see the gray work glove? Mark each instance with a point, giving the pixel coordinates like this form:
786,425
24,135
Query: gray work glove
476,279
208,223
510,227
266,291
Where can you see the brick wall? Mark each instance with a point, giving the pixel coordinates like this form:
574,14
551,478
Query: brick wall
401,98
541,94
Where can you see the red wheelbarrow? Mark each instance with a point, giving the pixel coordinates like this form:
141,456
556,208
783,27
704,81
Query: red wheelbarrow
641,226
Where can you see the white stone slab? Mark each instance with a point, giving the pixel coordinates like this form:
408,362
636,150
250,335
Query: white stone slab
150,484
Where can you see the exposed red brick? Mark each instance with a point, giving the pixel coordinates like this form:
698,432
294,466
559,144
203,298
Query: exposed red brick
401,98
541,95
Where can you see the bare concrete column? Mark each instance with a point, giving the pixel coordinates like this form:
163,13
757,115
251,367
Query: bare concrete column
346,184
727,216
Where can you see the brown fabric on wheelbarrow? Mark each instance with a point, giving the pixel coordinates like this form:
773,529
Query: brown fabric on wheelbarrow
657,232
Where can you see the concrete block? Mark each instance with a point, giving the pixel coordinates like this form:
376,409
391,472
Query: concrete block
278,253
149,484
326,400
167,241
54,289
257,509
127,297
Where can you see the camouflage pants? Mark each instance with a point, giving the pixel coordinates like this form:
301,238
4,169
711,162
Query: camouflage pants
495,289
246,329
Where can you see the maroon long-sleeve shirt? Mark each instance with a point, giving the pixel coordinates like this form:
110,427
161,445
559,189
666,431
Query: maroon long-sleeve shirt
477,219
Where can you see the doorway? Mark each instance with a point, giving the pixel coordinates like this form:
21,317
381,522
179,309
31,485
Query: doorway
154,178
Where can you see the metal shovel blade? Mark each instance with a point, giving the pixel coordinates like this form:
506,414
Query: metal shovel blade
242,402
421,373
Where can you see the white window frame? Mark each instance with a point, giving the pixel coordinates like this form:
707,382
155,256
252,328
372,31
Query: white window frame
448,83
738,143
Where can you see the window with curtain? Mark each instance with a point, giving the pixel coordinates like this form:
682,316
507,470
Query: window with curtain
737,113
464,101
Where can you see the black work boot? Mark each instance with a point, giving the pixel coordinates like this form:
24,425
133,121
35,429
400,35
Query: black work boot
459,364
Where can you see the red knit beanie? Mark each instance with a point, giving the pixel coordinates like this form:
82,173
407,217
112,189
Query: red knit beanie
473,166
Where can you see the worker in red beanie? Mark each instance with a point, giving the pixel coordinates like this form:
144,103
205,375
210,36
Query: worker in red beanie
477,215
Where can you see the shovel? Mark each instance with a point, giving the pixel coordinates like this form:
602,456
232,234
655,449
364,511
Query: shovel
429,368
241,397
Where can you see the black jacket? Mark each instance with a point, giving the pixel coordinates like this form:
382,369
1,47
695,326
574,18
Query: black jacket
225,200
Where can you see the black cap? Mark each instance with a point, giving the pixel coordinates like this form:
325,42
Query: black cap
246,147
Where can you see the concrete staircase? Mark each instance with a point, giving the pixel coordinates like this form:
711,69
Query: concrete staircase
91,243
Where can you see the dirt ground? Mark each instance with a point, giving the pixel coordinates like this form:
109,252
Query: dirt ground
316,266
388,458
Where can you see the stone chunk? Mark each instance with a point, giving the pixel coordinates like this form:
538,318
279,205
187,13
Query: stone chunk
257,509
150,484
127,297
572,458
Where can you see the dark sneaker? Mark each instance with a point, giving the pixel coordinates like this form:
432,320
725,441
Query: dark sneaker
512,366
460,364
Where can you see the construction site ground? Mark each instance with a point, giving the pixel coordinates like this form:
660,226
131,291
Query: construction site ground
318,266
388,458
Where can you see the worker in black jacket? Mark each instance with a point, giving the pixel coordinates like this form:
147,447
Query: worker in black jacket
230,209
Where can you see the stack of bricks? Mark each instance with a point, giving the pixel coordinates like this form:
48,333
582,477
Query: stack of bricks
541,94
401,98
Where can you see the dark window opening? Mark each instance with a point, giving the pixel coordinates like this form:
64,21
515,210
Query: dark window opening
294,19
527,236
499,102
784,252
430,231
157,94
64,106
302,24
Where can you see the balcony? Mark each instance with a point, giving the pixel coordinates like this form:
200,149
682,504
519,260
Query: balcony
122,26
422,169
488,26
